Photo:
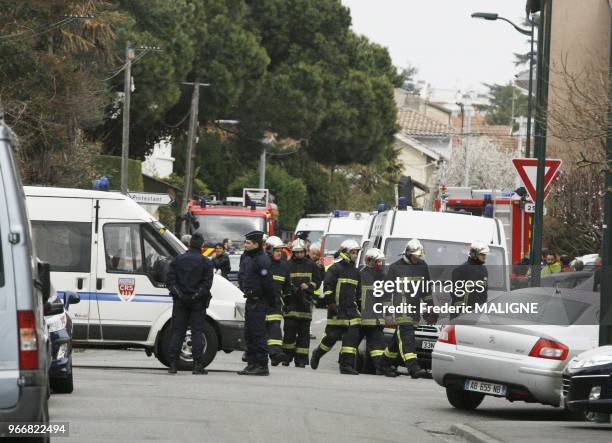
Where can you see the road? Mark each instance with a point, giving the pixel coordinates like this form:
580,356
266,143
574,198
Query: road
123,395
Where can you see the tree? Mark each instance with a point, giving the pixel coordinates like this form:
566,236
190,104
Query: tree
506,103
490,167
521,59
289,192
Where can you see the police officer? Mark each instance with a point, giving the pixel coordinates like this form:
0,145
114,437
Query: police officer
341,289
474,271
189,279
281,288
403,344
304,280
255,281
372,317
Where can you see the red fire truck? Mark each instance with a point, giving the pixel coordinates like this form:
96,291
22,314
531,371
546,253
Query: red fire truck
514,211
233,218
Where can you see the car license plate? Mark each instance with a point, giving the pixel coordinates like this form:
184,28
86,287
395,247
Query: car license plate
428,344
485,387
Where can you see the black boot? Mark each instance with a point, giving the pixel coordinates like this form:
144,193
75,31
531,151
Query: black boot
260,370
349,370
387,371
314,359
415,370
172,369
198,369
247,369
278,359
300,364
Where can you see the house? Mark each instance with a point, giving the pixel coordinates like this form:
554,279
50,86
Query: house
424,139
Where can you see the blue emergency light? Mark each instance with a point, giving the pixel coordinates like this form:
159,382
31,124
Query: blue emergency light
253,205
202,202
381,208
402,203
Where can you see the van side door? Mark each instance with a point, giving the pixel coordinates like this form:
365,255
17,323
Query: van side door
62,233
130,279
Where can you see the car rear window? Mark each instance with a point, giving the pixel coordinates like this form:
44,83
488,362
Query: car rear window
551,310
66,246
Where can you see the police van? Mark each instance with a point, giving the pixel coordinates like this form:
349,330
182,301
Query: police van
311,227
114,254
446,238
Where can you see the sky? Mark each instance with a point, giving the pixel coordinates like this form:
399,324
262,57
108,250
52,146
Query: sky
450,49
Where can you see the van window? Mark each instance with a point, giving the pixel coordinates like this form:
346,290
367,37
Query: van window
66,246
136,248
122,248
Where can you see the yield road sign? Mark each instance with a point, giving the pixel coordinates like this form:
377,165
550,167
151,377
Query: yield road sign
527,169
150,198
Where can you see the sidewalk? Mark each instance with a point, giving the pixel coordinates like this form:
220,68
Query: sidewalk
534,432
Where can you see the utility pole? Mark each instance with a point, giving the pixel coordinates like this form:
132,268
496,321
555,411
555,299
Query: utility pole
125,144
466,143
262,168
540,134
190,154
530,94
605,329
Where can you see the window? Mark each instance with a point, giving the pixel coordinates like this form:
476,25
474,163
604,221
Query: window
136,249
216,228
122,248
66,246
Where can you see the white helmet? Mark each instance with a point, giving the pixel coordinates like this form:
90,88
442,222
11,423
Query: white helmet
274,242
349,245
315,247
478,247
298,245
372,256
414,247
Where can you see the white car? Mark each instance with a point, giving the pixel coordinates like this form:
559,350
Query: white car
516,356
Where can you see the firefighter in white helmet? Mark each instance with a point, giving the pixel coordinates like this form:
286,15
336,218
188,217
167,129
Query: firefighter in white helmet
341,290
372,317
474,271
402,347
304,280
280,285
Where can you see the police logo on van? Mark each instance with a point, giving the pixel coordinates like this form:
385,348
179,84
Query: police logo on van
126,288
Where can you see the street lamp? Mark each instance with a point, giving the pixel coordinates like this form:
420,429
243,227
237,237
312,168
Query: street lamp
530,32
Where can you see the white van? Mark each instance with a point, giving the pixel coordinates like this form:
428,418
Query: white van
445,236
113,253
311,228
344,225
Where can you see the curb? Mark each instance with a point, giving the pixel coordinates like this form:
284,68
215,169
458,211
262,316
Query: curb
473,435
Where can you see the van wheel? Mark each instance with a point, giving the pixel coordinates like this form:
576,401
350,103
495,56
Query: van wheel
62,385
185,363
465,400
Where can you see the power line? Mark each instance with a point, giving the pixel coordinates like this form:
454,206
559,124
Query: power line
38,32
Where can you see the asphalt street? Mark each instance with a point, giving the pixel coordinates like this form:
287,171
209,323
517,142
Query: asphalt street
123,395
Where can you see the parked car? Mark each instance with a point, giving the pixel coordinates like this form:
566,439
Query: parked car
516,356
587,385
24,288
59,324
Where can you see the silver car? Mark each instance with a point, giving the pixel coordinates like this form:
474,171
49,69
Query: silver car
24,350
516,356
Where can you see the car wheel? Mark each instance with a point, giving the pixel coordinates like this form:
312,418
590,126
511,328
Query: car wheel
62,385
185,363
465,400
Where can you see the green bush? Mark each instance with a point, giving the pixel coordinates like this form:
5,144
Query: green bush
110,166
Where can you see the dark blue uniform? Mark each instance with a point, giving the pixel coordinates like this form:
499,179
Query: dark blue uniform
255,280
189,279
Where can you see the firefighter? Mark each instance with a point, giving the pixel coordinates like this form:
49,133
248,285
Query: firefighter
403,344
255,281
341,289
304,280
314,253
280,283
474,271
372,320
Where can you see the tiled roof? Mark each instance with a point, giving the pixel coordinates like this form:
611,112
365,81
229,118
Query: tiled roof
413,123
